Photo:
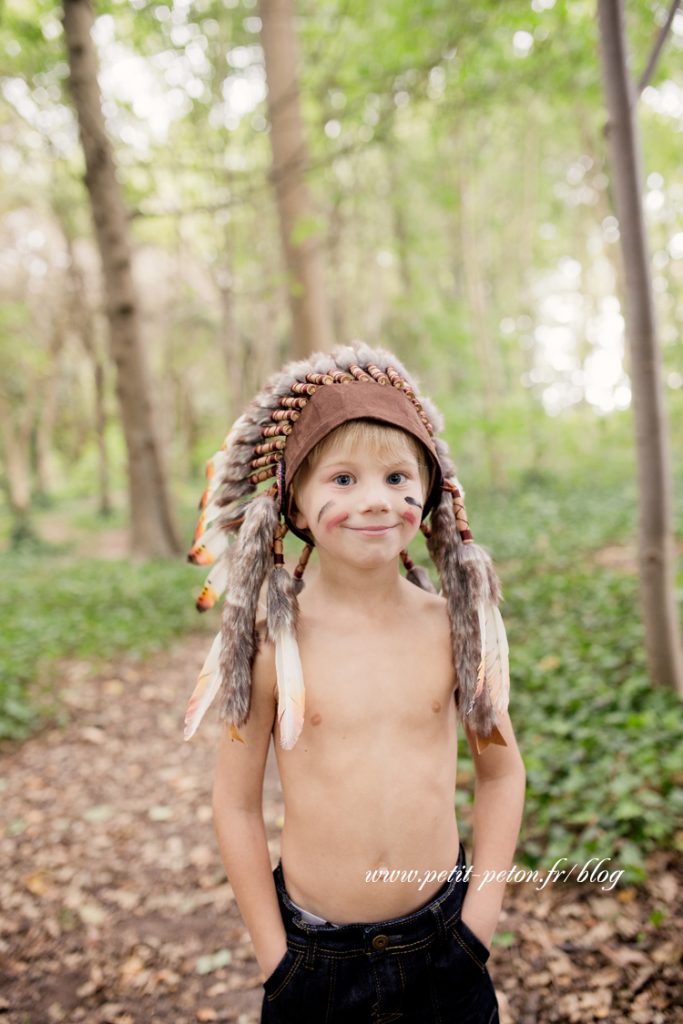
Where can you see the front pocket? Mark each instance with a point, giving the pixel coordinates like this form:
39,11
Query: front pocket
472,945
279,979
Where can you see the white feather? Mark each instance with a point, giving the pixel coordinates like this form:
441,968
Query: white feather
218,577
481,668
215,542
497,659
206,689
290,686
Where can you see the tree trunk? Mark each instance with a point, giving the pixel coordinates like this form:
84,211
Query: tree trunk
301,241
485,346
656,548
84,326
228,330
47,411
15,437
153,531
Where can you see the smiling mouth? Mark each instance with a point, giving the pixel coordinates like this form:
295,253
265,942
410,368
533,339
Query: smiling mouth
372,529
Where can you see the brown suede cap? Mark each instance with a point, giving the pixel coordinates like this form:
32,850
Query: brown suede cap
334,404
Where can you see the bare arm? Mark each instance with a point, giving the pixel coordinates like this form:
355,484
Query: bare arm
238,817
500,781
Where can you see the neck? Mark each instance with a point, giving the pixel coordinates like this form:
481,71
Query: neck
368,591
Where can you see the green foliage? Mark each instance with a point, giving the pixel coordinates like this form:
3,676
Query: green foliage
54,607
602,748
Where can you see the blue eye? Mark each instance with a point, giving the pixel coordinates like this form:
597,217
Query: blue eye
396,474
340,475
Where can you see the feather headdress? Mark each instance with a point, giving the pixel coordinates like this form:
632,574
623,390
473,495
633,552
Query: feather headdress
240,535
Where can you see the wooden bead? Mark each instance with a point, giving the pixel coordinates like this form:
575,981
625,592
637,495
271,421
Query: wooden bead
266,460
293,403
276,430
284,414
302,388
270,446
395,378
377,374
257,478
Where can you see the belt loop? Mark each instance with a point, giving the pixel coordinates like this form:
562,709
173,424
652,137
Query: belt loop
311,949
440,922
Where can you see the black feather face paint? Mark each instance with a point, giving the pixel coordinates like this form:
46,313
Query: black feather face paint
324,509
412,501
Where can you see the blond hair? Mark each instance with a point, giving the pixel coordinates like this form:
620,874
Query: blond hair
388,444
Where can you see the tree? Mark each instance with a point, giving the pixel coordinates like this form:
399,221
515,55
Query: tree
656,549
298,226
153,531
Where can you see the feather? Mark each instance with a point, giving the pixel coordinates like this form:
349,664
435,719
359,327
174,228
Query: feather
291,697
214,586
497,661
207,549
494,669
481,668
205,690
213,472
281,620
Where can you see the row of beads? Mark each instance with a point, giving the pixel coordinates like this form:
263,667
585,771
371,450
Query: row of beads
269,454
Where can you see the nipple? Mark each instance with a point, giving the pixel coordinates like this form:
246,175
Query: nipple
436,707
316,719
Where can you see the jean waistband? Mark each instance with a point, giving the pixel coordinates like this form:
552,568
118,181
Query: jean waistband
415,929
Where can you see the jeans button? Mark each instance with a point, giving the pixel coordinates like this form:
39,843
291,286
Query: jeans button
380,942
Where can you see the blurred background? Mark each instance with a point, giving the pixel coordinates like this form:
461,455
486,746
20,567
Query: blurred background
194,192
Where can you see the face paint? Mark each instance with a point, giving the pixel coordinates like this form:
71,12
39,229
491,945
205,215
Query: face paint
411,517
336,520
324,509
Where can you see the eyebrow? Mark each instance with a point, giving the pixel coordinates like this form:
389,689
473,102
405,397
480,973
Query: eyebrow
405,462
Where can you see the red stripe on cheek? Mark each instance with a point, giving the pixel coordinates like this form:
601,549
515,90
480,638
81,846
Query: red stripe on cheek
410,517
336,520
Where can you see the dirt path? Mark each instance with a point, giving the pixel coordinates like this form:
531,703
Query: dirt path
114,907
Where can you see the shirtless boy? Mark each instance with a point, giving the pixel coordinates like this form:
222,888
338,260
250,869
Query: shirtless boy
369,783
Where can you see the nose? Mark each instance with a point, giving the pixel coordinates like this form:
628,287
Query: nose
374,498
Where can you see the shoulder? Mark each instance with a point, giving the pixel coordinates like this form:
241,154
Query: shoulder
432,622
430,607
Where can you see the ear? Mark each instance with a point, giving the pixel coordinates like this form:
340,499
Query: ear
298,518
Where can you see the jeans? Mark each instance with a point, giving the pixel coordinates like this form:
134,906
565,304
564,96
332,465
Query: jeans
425,968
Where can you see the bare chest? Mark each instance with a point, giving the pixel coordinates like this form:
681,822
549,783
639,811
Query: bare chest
399,678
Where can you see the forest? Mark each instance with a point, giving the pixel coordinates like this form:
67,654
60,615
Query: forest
193,193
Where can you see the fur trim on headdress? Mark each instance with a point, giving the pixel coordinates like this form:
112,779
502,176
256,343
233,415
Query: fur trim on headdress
249,559
472,591
283,612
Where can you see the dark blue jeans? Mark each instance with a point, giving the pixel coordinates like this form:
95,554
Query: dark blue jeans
425,968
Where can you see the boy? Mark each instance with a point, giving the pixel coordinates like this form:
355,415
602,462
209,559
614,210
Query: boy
368,772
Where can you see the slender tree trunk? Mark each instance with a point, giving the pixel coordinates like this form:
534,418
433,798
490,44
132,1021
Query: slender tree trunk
15,436
336,242
47,411
398,215
153,531
86,329
656,548
299,232
484,344
228,331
